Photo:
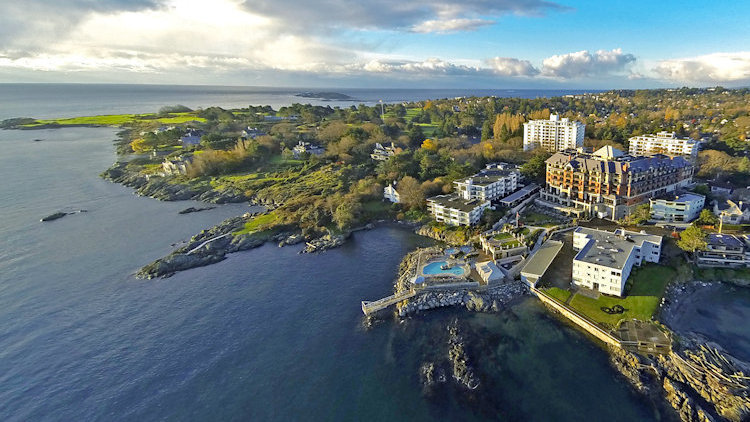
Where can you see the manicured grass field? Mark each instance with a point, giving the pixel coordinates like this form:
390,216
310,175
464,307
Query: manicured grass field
558,294
501,236
260,222
649,283
119,119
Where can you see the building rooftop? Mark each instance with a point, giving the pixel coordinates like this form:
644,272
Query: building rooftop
456,202
681,197
728,240
541,260
611,249
609,162
520,193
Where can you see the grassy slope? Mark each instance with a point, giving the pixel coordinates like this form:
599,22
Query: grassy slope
260,222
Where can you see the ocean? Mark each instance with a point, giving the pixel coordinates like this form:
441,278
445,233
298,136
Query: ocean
266,335
44,101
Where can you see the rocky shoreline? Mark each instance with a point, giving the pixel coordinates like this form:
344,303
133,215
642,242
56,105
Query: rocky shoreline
491,299
205,248
699,380
160,188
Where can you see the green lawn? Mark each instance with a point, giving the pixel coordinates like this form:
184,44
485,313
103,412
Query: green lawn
260,222
119,119
558,294
649,283
501,236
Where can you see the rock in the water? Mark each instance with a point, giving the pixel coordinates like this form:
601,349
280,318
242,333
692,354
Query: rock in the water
326,242
55,216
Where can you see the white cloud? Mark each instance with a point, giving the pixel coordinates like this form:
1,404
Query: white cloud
710,68
450,25
509,66
429,67
584,63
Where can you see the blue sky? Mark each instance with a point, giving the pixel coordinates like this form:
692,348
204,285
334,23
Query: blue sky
385,43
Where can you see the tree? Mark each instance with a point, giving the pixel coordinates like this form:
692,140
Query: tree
347,213
639,215
692,239
536,167
410,192
707,218
429,145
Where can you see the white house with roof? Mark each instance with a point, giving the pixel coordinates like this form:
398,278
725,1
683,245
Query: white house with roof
731,212
304,147
605,259
391,194
383,152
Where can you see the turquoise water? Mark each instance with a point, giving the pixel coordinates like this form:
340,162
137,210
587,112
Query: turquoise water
434,268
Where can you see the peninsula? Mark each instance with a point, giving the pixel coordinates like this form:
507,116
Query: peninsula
609,208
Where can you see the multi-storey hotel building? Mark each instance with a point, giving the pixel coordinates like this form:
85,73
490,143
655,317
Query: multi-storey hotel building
608,183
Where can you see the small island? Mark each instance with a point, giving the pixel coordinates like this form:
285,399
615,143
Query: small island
329,96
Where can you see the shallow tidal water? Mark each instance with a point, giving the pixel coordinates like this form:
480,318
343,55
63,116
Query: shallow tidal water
266,335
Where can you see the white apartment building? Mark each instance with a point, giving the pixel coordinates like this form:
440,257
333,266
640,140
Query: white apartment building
390,193
553,135
666,143
680,208
605,259
488,184
456,211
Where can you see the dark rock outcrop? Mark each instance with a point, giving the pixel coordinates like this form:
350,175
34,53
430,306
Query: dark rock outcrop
700,382
207,247
322,243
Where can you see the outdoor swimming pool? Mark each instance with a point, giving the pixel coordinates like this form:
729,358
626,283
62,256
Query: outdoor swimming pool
434,269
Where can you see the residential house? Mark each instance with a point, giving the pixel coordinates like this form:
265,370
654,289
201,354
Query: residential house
252,132
191,137
731,212
724,250
391,194
176,166
303,148
382,153
678,207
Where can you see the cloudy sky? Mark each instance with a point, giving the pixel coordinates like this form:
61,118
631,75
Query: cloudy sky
378,43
